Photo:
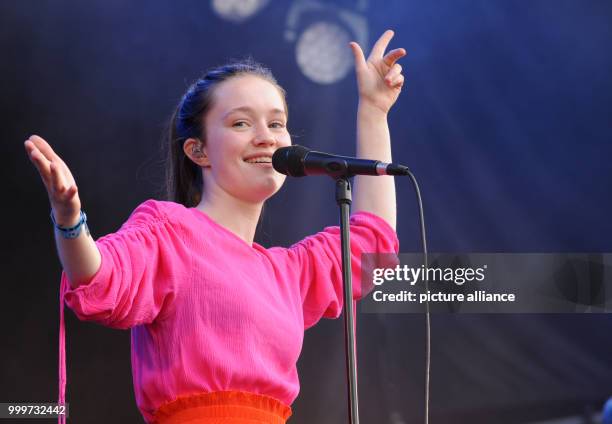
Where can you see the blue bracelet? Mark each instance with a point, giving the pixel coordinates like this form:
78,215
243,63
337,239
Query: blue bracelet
72,232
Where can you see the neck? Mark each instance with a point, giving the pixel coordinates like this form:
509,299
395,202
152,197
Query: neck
242,220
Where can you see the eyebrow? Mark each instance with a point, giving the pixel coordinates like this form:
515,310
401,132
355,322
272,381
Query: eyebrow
249,109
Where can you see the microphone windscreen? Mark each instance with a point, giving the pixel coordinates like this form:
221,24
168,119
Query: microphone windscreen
290,160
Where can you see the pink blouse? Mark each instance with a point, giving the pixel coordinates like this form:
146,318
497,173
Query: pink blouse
209,312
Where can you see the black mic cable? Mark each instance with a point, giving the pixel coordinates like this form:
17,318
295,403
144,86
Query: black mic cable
427,311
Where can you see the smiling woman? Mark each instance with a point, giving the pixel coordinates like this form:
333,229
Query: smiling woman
229,102
237,140
244,122
217,320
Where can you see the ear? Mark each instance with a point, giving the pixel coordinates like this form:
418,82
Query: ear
194,149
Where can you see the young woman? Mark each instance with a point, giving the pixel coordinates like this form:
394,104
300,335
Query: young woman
217,320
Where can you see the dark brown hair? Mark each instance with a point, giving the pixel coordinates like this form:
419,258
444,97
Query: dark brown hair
183,180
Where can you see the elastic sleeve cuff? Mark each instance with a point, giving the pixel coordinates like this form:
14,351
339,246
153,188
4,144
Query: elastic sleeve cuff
95,288
364,217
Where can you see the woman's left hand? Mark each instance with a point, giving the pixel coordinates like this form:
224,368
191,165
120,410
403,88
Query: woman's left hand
379,78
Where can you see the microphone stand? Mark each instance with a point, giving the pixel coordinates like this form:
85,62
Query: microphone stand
344,200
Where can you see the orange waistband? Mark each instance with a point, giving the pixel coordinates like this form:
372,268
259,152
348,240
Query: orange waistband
230,407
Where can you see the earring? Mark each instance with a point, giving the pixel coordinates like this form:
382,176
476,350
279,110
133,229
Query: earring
196,151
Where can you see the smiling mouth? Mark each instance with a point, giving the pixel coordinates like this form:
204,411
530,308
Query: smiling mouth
264,161
259,160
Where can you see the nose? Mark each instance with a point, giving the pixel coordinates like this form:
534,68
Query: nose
264,138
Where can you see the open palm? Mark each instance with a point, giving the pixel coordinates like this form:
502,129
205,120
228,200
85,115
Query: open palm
57,178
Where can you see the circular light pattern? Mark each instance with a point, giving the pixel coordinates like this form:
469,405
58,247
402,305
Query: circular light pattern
237,10
323,53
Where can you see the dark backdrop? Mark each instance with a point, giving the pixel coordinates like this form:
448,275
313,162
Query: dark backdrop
504,118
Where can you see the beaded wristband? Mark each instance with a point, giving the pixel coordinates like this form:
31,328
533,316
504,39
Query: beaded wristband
72,232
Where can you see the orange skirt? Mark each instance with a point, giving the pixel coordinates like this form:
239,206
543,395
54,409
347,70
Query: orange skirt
231,407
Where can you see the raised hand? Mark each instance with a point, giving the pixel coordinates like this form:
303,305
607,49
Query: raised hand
379,78
58,180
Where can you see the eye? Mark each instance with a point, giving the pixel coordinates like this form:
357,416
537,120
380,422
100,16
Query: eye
240,124
277,124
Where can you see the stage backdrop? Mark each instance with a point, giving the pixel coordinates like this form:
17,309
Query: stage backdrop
504,118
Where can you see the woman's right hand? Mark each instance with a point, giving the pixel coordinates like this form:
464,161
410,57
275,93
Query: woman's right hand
59,182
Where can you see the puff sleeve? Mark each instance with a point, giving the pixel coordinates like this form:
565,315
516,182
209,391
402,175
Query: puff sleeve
142,265
318,260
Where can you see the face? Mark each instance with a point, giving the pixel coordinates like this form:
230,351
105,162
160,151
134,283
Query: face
246,124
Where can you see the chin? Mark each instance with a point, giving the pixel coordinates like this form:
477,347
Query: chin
262,192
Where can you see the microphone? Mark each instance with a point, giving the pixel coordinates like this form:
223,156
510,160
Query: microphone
299,161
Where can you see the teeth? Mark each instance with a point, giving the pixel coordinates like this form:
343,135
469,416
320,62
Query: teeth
259,160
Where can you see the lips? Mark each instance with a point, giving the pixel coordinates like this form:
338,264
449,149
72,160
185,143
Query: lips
259,159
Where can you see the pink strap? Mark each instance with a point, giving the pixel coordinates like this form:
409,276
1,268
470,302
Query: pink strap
355,330
62,354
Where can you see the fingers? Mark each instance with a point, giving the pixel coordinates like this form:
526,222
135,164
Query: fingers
393,56
44,147
71,192
360,60
58,179
393,72
40,162
397,82
394,77
381,45
64,189
55,174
